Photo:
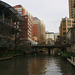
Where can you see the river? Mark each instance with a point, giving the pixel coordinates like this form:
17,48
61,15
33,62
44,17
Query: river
36,65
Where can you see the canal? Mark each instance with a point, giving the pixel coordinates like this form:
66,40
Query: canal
37,65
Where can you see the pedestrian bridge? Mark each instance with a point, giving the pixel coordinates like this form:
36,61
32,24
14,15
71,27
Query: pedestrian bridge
48,46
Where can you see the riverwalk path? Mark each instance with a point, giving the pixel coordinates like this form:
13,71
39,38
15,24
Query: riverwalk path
72,61
6,58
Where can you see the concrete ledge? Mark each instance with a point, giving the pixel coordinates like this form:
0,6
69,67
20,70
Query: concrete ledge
6,58
73,63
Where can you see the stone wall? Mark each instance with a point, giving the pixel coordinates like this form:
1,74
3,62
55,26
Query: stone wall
71,48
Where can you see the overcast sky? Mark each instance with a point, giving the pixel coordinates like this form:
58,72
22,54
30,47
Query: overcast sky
50,11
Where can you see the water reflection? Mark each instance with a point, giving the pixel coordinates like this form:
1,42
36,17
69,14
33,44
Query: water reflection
36,66
52,67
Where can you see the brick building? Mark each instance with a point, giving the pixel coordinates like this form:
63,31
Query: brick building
26,26
38,30
20,9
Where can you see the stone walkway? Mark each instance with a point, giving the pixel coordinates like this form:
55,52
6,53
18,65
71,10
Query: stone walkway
6,58
71,61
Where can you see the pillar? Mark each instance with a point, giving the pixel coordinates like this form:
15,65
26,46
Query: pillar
11,22
3,16
48,51
15,38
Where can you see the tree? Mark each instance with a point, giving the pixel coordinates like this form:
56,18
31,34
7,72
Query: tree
42,40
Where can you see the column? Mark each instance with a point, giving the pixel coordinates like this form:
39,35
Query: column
3,16
15,38
11,22
48,51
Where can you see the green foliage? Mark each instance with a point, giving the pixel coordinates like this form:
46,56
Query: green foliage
67,54
64,55
59,51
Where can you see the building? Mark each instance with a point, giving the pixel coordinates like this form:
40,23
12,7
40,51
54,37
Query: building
71,8
38,30
51,37
21,10
74,12
70,39
7,16
26,26
43,29
70,36
65,25
56,36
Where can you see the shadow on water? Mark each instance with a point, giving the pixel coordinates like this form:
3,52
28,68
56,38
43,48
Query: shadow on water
36,65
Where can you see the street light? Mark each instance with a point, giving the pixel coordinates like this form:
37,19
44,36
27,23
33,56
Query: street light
16,27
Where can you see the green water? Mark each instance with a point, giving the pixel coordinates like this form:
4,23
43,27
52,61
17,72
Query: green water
37,65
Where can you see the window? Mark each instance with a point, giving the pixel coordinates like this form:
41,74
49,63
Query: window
64,21
64,28
14,26
17,26
69,24
14,23
19,9
68,21
20,12
64,32
74,11
26,17
17,33
17,22
64,24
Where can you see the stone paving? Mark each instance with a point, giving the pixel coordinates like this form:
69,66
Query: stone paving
6,58
72,61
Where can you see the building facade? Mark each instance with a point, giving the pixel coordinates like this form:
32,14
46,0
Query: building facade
71,8
7,32
70,39
38,30
21,10
74,12
26,26
51,37
65,25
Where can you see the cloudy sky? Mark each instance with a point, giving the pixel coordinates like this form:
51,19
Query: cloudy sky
50,11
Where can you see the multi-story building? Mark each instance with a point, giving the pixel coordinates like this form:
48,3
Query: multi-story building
74,12
43,29
7,32
26,26
56,36
21,10
38,30
70,40
51,37
71,8
65,25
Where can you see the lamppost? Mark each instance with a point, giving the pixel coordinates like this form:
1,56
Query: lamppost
74,12
16,27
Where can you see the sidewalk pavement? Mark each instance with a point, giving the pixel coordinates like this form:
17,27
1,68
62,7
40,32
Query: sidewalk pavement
72,61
